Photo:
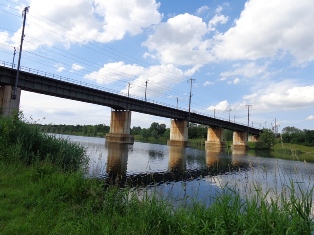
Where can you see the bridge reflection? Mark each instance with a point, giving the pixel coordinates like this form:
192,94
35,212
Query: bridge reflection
217,163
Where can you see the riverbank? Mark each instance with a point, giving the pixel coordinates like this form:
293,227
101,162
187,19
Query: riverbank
44,192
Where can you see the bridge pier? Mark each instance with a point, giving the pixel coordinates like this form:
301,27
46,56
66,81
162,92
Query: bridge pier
253,138
239,140
120,128
179,133
214,139
7,105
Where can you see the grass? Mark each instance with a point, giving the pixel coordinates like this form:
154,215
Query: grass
40,195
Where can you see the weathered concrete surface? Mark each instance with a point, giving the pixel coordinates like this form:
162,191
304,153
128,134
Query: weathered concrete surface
120,128
253,138
239,140
7,105
179,133
214,139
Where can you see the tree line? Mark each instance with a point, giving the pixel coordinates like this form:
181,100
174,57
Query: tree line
294,135
156,131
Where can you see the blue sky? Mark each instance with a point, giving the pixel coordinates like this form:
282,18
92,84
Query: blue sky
240,53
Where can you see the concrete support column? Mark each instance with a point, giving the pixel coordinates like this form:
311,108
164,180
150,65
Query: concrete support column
214,139
253,138
239,140
120,128
7,105
179,133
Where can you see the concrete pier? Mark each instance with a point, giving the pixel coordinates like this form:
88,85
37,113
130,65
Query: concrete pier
239,140
253,138
179,133
214,139
7,105
120,128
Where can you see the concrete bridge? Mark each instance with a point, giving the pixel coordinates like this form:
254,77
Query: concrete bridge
122,107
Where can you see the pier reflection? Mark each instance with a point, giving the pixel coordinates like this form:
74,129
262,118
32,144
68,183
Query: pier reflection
177,158
237,156
212,156
117,160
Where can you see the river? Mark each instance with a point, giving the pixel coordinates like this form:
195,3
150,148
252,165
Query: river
191,174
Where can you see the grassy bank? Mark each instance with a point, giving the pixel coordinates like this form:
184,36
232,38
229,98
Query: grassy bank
43,191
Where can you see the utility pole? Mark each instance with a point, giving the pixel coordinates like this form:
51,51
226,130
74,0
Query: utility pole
20,53
145,89
13,57
234,118
190,80
177,102
248,118
129,89
214,113
229,114
265,124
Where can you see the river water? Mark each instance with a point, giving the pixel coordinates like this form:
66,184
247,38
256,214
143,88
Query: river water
191,174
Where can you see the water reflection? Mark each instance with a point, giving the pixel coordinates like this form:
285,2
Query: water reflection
212,157
193,173
117,161
237,156
177,159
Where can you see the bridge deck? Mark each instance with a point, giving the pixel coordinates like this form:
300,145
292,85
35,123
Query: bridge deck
49,86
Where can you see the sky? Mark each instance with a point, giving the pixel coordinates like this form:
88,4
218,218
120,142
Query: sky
230,55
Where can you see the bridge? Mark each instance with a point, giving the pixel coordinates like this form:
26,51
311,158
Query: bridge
121,108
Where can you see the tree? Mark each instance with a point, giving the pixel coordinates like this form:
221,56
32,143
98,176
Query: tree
267,139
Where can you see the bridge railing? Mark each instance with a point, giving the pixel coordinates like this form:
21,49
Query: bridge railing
101,88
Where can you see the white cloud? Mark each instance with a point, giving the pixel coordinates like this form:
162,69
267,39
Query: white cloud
311,117
77,67
222,106
59,67
83,21
180,41
236,81
160,77
266,29
248,70
113,72
208,83
283,95
201,10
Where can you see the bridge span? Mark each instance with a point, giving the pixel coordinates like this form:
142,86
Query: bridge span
122,106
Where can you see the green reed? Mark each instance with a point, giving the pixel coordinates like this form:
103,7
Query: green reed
22,142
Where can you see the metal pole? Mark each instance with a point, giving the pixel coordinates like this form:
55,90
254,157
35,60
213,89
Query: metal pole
20,53
177,102
13,57
248,118
145,90
191,80
129,90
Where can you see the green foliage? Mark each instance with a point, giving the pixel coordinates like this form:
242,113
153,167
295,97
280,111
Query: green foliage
22,142
294,135
84,130
227,135
197,131
41,200
266,140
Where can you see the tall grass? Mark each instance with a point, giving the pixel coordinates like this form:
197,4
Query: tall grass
20,142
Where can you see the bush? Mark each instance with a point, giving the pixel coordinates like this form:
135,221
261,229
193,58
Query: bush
22,142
